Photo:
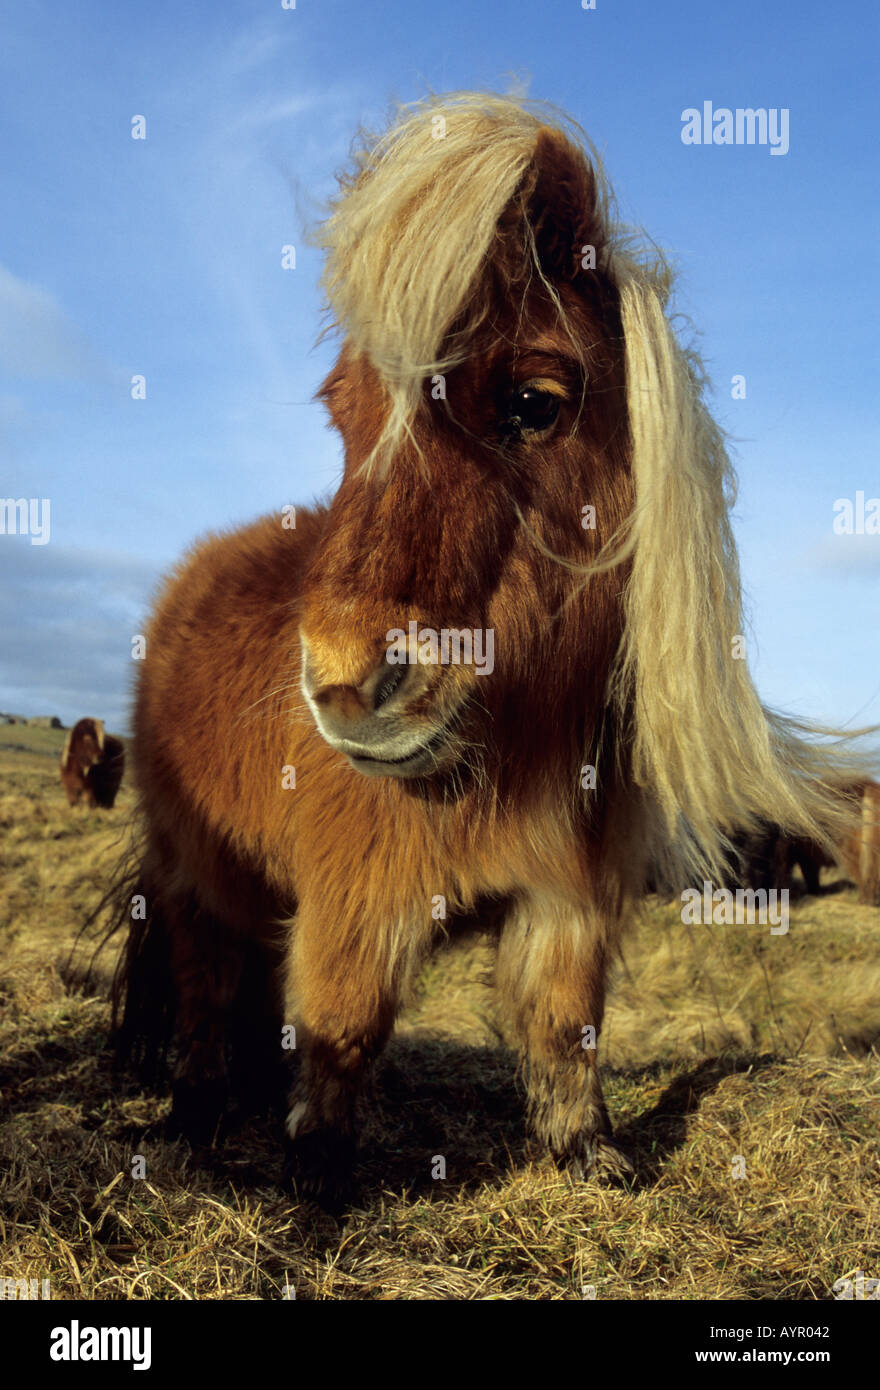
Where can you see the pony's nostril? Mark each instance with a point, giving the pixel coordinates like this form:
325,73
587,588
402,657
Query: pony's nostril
387,686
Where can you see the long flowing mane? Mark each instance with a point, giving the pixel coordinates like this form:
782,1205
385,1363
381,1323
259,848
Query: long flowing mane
419,221
410,244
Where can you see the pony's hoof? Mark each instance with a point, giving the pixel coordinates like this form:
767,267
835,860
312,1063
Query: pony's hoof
612,1161
319,1168
601,1156
197,1111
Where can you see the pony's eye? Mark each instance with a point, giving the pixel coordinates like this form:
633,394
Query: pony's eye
530,408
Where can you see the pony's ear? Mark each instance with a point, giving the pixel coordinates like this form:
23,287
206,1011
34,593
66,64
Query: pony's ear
564,207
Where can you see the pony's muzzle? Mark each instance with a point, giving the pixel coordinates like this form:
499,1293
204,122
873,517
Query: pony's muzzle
385,687
384,722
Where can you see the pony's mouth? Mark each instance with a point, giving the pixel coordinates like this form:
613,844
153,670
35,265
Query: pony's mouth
415,762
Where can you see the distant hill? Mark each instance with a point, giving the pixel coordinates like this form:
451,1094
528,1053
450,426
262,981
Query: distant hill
37,721
35,738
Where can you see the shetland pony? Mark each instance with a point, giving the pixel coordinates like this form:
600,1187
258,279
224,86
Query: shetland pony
529,465
92,764
766,856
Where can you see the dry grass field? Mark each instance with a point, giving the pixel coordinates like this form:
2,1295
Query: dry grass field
720,1042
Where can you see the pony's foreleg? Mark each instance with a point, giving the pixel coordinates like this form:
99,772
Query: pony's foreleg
551,974
344,983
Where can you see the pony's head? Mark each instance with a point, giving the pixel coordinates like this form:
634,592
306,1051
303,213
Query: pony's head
85,739
481,397
530,544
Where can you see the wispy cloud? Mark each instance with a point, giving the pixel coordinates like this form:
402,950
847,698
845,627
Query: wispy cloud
268,111
254,47
846,555
68,617
38,339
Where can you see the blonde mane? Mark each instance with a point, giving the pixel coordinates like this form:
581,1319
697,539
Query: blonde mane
408,243
410,237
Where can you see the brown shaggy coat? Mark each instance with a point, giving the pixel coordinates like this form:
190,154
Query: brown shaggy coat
527,453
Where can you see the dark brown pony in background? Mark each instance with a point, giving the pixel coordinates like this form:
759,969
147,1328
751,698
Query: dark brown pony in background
92,764
527,452
766,855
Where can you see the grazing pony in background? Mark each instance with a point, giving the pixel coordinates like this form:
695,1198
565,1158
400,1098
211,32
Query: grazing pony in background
528,464
766,856
92,764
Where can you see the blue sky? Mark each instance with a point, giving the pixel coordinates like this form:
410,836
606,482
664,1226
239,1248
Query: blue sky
163,257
